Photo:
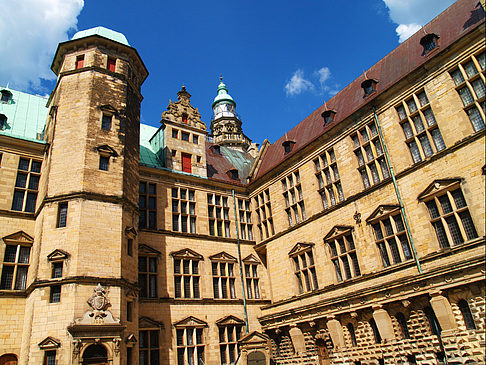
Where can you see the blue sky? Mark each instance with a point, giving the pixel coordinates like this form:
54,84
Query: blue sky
279,59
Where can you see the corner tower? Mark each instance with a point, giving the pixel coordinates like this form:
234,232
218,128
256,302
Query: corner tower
82,289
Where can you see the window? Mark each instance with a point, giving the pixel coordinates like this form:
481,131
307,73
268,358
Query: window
402,322
50,357
26,185
435,328
223,280
343,253
418,136
244,215
328,178
185,136
175,133
79,62
184,118
369,87
448,212
130,247
304,267
57,269
183,210
195,139
62,209
129,355
147,199
3,121
104,163
287,145
294,198
470,86
264,214
352,334
466,314
190,346
218,212
186,274
429,42
228,343
186,162
106,122
390,235
111,64
148,348
5,96
55,295
328,116
147,276
15,267
370,155
174,153
252,280
374,328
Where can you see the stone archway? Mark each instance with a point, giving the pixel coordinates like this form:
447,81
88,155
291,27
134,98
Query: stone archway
95,355
256,358
9,359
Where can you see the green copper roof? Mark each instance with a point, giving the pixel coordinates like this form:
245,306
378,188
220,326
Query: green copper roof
223,95
147,156
103,32
26,115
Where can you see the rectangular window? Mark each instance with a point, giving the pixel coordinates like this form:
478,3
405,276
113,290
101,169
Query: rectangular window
228,343
147,199
244,216
129,311
148,347
218,213
62,210
252,281
294,199
185,136
57,269
305,271
26,185
186,278
111,64
79,62
328,179
195,139
190,346
175,133
130,247
55,295
343,256
223,280
186,162
183,210
50,357
104,163
470,87
264,214
106,122
147,276
15,267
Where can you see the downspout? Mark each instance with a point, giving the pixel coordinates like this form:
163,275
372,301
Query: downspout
395,185
239,261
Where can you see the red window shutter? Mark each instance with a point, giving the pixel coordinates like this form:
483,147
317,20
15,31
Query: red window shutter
186,163
111,64
79,62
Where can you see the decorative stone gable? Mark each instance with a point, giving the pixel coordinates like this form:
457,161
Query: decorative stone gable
230,321
181,111
438,185
251,259
337,231
223,256
146,322
187,254
58,255
49,343
190,322
300,247
18,237
382,211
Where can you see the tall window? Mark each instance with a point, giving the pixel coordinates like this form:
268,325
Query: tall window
264,214
223,279
374,328
15,267
246,226
402,322
62,209
79,62
104,163
466,314
55,294
294,198
343,253
26,185
186,162
148,353
390,235
449,213
228,343
418,135
304,267
370,155
470,86
252,280
218,212
50,357
190,346
183,210
352,334
111,64
147,276
147,198
328,178
186,274
106,122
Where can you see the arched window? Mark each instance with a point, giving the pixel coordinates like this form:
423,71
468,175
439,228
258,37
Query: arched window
376,333
352,333
403,325
95,354
466,314
433,322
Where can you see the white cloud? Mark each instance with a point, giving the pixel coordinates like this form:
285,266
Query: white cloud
323,73
410,15
298,84
29,33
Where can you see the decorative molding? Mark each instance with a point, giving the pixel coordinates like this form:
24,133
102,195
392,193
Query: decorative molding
58,255
131,232
382,211
300,247
147,250
437,185
251,259
337,231
230,320
18,237
106,150
147,322
49,343
190,322
223,256
187,253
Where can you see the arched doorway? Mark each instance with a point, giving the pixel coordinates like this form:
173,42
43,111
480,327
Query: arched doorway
9,359
95,355
322,352
256,358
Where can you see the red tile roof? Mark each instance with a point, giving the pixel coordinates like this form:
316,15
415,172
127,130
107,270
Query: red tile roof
453,23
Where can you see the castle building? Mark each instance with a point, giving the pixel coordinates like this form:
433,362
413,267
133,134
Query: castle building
356,238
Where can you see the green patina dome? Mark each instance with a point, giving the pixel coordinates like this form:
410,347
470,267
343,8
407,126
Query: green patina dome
223,95
103,32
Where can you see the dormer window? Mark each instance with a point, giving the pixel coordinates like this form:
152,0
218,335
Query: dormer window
5,97
233,174
3,121
216,149
369,87
288,145
328,116
429,42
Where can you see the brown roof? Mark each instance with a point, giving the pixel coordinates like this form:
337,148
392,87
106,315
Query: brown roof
219,164
456,21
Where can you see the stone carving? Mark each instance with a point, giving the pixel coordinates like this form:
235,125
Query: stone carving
99,313
99,301
182,111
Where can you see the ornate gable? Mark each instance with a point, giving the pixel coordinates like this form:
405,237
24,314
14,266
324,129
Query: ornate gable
337,231
300,247
230,320
187,253
251,259
254,337
18,237
58,255
147,250
146,322
223,256
182,112
49,343
438,185
190,322
107,150
382,211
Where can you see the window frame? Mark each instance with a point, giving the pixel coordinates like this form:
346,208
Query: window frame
326,169
150,349
147,192
13,283
263,210
294,198
195,330
223,271
28,192
219,215
183,197
187,283
62,211
149,289
346,263
228,345
304,264
244,219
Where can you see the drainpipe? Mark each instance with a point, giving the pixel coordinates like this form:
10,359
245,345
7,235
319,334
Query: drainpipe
395,185
239,260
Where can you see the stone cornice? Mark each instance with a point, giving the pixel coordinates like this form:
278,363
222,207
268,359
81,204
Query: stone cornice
195,236
83,280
